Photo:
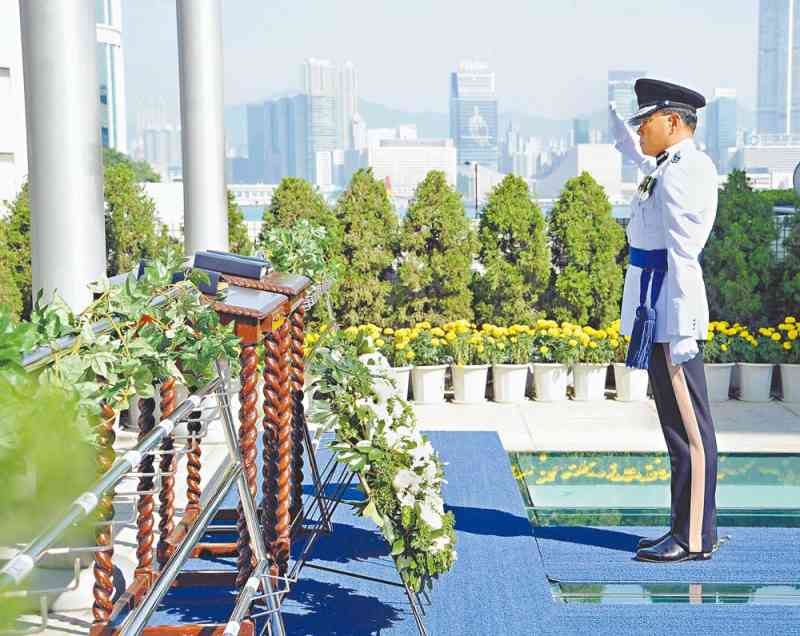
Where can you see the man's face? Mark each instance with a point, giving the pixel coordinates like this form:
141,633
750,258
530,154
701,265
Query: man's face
655,133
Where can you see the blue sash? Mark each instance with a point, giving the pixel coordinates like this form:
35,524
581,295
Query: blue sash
653,264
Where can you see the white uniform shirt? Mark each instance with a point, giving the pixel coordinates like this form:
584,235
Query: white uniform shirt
677,216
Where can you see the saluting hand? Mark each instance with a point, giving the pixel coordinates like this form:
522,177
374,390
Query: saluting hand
626,141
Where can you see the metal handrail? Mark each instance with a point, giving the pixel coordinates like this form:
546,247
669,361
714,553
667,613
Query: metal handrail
44,355
18,568
137,620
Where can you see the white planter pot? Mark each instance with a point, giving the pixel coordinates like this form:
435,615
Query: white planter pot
718,380
590,381
756,380
427,384
790,381
631,383
509,381
469,383
550,382
401,376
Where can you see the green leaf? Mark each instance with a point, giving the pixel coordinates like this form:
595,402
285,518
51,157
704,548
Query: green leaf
372,512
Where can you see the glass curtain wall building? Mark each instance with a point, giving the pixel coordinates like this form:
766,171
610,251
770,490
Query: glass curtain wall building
111,75
473,114
319,80
778,86
721,128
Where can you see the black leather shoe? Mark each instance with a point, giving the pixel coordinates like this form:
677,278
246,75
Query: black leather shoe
649,543
670,551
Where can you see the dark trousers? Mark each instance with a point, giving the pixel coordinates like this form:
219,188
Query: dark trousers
682,402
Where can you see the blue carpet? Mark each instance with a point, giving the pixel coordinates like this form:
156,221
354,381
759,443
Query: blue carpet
763,555
499,585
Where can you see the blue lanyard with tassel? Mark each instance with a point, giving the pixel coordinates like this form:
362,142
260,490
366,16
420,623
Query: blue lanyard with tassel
653,264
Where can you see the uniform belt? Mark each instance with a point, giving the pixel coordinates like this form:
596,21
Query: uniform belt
649,259
654,265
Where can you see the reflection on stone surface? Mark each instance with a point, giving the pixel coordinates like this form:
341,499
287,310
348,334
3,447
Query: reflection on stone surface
693,593
589,488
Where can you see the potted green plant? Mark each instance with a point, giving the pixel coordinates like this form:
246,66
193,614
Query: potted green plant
718,360
510,352
755,355
595,353
790,360
430,358
470,367
551,355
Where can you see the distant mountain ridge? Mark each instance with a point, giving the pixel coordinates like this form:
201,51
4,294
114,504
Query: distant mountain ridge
433,124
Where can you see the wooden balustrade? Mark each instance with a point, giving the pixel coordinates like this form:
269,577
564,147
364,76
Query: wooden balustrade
103,559
145,507
278,324
297,371
166,496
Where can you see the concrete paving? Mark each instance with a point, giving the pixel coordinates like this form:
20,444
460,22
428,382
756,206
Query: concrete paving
609,425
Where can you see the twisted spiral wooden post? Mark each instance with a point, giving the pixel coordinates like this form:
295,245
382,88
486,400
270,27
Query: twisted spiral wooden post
297,371
145,507
277,448
269,467
248,414
103,559
193,465
166,496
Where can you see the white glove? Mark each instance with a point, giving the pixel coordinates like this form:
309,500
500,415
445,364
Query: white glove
627,142
682,349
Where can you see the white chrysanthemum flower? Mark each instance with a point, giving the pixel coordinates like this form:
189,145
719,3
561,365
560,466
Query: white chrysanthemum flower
435,501
439,544
391,437
430,516
406,480
422,453
429,472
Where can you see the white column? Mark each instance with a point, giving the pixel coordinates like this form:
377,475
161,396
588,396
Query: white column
789,67
62,108
202,124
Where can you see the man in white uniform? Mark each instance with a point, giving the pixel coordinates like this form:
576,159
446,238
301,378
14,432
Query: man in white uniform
664,307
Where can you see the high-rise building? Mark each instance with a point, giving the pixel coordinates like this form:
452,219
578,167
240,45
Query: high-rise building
621,92
358,133
580,131
13,138
473,114
720,125
348,103
509,149
778,64
277,141
111,75
320,89
162,149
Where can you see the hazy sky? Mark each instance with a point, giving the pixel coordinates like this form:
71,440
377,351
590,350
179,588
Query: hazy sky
551,57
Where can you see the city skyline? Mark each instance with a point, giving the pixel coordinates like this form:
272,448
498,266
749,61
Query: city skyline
524,45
